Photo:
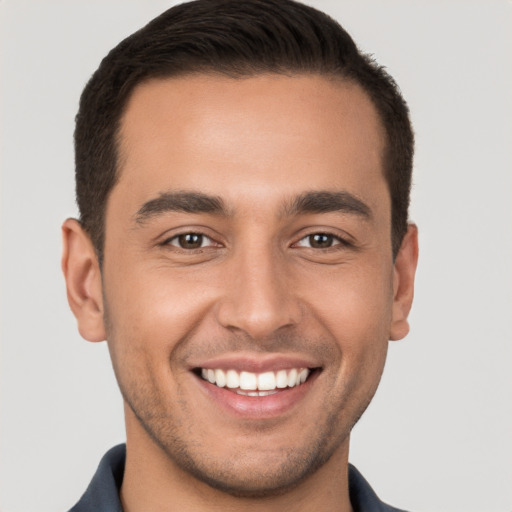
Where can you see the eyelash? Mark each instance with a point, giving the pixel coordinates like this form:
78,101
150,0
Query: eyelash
333,240
202,236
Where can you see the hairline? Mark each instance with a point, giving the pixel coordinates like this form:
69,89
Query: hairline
339,77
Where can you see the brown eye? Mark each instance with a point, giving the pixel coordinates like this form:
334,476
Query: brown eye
189,241
320,240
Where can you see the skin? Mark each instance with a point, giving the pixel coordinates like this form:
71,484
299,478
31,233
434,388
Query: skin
257,287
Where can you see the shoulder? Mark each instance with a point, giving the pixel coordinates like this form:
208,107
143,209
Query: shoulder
103,491
362,497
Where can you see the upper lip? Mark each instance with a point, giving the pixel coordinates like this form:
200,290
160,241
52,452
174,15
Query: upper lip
257,363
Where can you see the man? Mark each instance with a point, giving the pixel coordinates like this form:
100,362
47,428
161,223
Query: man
243,177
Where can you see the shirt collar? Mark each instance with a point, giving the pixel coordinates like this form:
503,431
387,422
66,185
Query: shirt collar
103,491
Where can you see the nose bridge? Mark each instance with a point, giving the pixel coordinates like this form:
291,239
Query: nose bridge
259,297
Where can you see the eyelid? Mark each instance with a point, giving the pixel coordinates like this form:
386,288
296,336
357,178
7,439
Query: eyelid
204,240
207,241
165,239
339,240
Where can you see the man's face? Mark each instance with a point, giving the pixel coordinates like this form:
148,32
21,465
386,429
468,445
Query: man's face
247,241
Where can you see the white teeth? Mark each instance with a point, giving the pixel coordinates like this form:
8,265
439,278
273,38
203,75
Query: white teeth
292,378
262,384
266,381
248,380
220,378
255,393
232,379
282,379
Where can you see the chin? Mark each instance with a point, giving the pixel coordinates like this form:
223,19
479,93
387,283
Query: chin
250,479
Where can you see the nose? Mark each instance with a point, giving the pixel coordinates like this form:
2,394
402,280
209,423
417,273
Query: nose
259,296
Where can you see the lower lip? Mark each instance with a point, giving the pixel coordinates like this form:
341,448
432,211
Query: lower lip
257,407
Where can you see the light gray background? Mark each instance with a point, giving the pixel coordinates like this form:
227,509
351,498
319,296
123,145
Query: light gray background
438,435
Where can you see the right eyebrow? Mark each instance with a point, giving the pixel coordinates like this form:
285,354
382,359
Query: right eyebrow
181,201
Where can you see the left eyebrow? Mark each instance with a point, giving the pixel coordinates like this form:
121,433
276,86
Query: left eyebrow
327,202
181,201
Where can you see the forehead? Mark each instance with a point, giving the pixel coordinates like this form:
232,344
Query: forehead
267,133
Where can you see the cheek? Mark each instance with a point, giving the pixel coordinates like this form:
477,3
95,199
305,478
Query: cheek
352,300
150,311
354,306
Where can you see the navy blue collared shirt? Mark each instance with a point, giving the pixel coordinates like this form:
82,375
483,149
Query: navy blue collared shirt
102,495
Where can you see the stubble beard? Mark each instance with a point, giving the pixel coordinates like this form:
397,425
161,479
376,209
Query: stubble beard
240,478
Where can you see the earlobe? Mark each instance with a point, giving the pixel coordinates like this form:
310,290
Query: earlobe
83,280
403,283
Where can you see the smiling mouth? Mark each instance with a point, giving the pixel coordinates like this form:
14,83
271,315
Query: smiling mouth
256,384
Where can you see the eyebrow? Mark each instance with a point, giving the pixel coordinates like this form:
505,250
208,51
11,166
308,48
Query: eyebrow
197,202
327,202
185,202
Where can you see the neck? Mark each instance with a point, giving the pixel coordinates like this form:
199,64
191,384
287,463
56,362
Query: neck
153,482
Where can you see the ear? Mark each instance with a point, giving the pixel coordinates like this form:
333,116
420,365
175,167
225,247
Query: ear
83,280
403,283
